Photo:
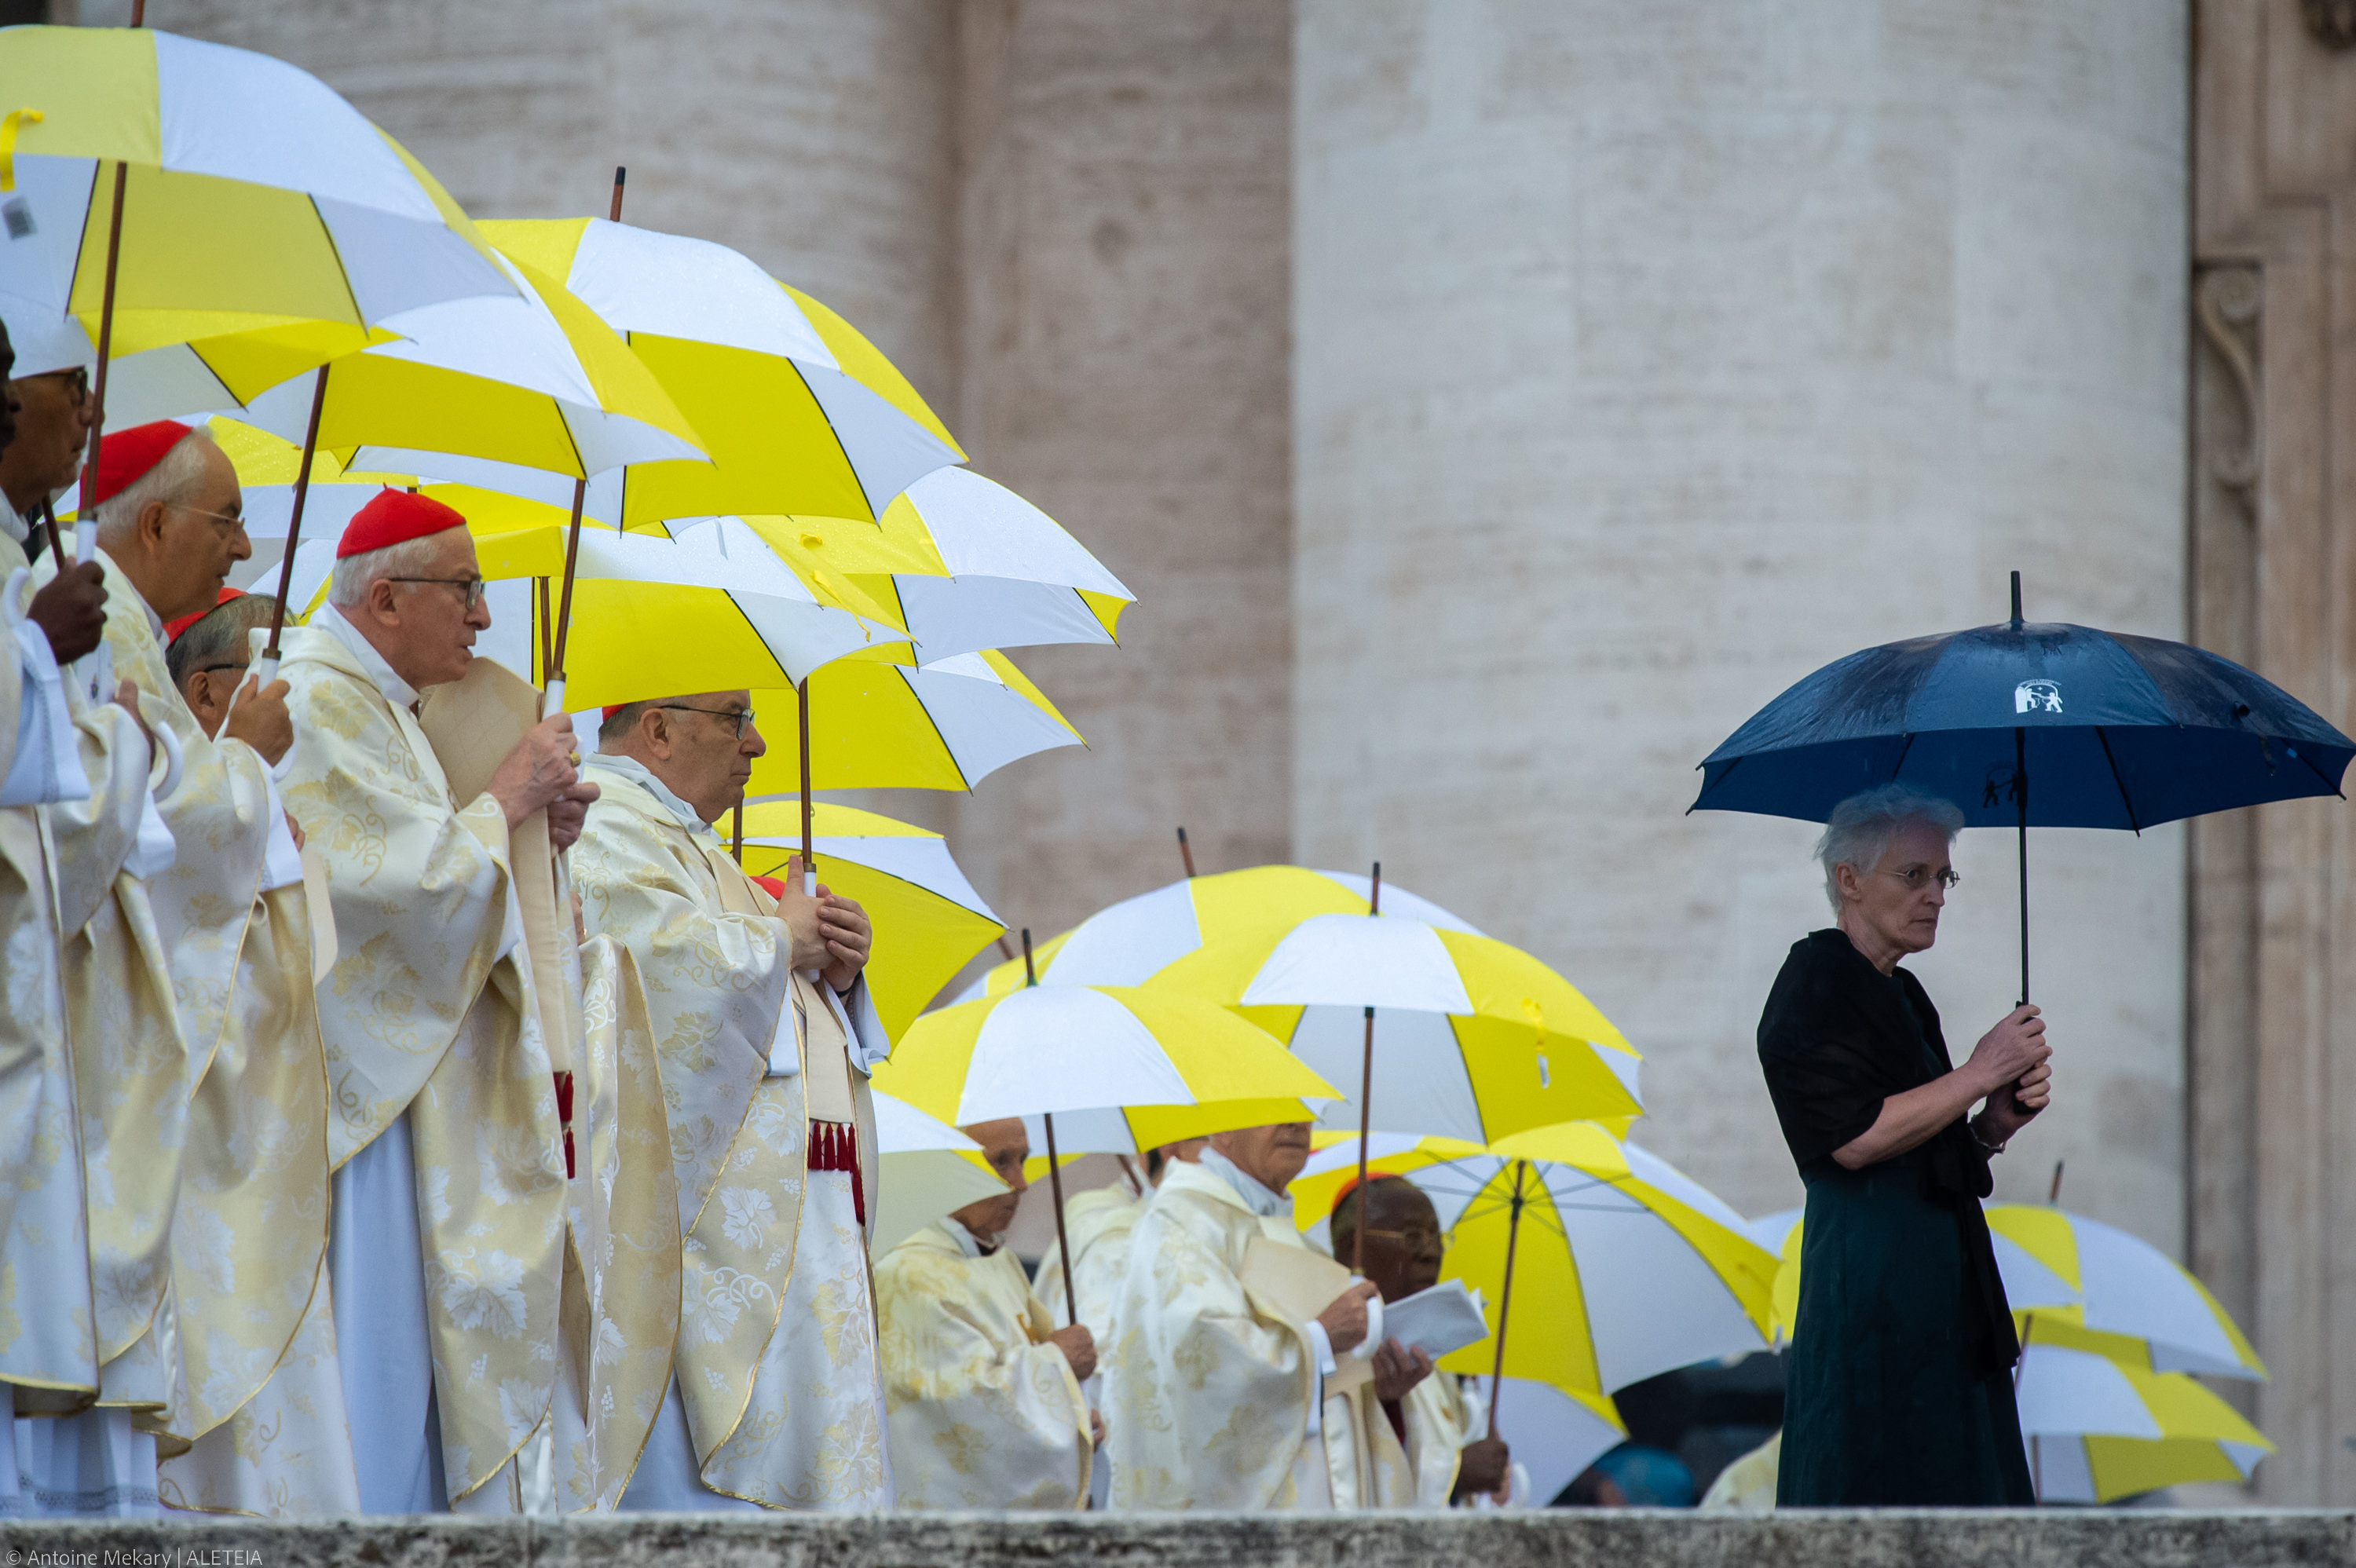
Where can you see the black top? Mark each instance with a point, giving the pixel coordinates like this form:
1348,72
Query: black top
1836,1039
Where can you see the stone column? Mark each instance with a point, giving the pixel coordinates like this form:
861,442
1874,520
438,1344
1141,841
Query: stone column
1651,357
1125,255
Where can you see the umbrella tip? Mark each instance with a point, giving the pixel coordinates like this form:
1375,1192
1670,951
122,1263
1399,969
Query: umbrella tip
2016,598
620,172
1186,853
1030,973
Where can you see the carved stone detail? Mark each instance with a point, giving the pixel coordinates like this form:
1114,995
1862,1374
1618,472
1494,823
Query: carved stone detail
2331,23
2226,301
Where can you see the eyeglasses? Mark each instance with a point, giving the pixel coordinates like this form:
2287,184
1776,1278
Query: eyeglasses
743,715
237,523
210,668
1416,1239
1917,877
476,587
77,377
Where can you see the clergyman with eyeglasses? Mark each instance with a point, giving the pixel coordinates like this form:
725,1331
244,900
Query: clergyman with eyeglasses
1899,1382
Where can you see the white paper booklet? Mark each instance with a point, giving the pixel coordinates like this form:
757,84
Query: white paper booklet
1445,1317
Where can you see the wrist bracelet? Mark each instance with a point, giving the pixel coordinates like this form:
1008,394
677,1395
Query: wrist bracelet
1972,1127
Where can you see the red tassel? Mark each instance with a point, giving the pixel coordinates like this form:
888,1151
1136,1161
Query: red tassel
834,1145
564,1115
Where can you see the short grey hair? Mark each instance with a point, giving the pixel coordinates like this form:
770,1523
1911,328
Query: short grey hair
1859,832
349,583
220,631
181,470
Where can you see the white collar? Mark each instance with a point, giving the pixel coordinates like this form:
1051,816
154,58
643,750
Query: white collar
639,773
154,622
1261,1201
330,620
968,1243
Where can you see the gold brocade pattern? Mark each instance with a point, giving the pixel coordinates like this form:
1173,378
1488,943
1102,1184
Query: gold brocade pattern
1207,1388
749,1369
1440,1422
621,1285
1097,1223
249,1237
47,1327
423,1014
287,1452
982,1412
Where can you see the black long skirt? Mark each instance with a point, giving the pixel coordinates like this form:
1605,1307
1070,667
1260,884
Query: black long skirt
1883,1407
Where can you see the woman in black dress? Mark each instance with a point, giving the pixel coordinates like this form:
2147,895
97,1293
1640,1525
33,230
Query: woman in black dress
1900,1376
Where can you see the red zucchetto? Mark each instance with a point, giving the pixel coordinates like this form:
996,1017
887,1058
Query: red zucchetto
396,517
127,456
174,627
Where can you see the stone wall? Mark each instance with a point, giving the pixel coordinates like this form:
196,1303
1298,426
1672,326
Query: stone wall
1546,1539
1648,357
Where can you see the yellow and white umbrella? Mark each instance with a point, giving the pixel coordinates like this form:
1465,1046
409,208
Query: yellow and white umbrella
883,721
2099,1430
928,919
2125,1294
2029,1285
927,1172
1441,1032
254,198
1056,1049
1133,942
790,430
997,572
1613,1265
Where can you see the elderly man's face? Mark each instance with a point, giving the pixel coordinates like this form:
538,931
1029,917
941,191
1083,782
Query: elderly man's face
1898,903
52,432
430,624
193,542
1271,1155
1006,1145
700,748
1403,1243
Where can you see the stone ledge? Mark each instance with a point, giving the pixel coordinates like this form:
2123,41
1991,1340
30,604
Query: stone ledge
1550,1539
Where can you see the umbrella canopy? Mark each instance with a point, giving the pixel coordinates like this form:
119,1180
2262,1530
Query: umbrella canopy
255,197
2028,723
1471,1038
927,1172
1054,1050
994,572
534,379
1132,942
2118,731
1622,1266
884,721
2128,1298
2099,1430
790,430
928,919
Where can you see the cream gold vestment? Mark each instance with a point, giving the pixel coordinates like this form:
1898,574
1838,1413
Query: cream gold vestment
443,1121
983,1412
1213,1395
1096,1224
1439,1420
776,1398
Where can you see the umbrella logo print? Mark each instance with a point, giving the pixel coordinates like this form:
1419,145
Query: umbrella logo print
2037,697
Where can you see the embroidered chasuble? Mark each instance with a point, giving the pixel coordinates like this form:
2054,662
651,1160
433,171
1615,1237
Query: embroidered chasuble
775,1399
1097,1223
49,1317
1441,1418
1213,1395
449,1213
983,1413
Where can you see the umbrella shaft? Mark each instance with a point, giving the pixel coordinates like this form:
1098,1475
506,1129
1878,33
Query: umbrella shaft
2020,794
294,520
564,599
105,347
1365,1123
1062,1242
1505,1295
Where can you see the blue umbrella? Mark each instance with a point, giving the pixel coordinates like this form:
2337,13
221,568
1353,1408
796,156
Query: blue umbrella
2112,731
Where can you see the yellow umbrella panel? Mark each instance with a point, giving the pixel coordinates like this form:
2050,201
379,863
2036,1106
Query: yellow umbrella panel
1622,1266
927,918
